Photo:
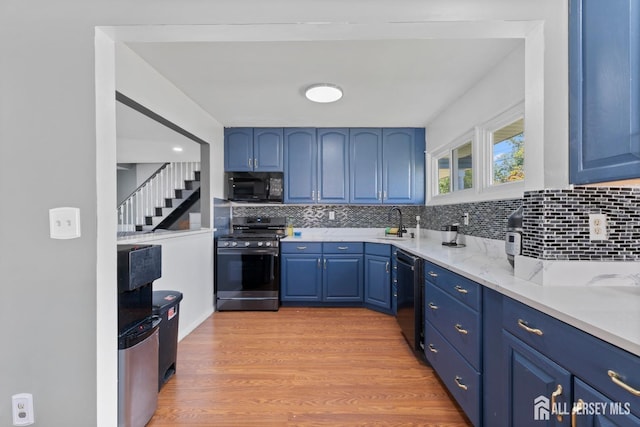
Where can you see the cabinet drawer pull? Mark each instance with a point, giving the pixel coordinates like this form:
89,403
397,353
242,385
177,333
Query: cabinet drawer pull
432,274
578,407
460,384
432,306
325,263
617,381
555,394
460,329
343,248
461,289
526,327
386,267
432,349
301,248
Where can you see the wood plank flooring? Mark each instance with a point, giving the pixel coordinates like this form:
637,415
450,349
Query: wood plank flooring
302,367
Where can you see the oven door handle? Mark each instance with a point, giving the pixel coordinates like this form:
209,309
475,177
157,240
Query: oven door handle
247,251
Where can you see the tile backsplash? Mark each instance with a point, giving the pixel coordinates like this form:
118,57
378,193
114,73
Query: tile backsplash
556,222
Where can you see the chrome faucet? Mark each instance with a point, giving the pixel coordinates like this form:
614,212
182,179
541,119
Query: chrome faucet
401,230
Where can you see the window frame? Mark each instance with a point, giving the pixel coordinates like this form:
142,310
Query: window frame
482,163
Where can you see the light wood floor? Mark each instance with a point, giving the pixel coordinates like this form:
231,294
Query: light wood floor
302,367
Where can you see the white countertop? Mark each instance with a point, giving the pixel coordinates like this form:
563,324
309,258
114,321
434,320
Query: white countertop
611,313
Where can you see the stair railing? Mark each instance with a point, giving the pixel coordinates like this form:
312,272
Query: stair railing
151,194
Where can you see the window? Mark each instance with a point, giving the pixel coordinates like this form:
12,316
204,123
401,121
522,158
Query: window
508,153
486,162
455,168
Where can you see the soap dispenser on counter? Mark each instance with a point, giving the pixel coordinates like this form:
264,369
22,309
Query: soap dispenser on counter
418,227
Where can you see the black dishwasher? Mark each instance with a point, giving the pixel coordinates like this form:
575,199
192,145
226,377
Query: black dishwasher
410,313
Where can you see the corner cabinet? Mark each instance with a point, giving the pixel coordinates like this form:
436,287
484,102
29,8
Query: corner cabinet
378,293
386,165
253,149
604,90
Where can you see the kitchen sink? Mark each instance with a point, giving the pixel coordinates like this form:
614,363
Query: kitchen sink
386,237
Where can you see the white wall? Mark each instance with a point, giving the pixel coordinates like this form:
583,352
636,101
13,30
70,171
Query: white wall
57,294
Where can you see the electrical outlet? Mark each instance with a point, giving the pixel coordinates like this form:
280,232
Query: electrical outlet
332,215
64,223
22,407
597,227
465,217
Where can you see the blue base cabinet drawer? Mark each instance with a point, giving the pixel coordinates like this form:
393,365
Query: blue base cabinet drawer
460,378
300,248
458,323
461,288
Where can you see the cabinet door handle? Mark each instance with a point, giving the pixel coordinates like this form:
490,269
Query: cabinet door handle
432,306
384,195
432,349
379,195
526,327
325,263
318,262
461,289
343,248
432,274
386,267
250,162
255,163
615,377
313,195
460,384
576,408
555,394
301,248
460,329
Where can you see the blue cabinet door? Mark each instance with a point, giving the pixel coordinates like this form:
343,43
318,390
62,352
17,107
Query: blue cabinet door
343,278
608,414
377,277
333,165
365,172
532,380
301,277
267,149
604,90
238,149
403,165
300,159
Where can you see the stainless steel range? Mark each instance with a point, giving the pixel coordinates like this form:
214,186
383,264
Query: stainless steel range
248,264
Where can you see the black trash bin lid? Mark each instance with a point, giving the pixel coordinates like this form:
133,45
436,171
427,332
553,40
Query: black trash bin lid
164,299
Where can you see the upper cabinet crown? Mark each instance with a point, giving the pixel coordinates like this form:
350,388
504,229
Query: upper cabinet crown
604,90
253,149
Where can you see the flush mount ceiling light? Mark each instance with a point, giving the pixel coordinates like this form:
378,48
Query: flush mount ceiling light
323,93
177,149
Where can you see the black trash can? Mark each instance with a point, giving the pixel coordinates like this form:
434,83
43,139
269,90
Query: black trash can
165,305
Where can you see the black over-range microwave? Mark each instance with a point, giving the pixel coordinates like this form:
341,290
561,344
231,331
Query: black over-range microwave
264,187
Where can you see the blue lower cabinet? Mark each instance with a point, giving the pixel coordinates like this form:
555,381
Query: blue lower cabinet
301,277
539,388
594,409
378,290
342,278
461,379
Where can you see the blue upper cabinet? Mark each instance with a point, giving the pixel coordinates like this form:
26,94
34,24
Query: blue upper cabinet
604,90
333,165
365,173
249,149
268,149
403,166
387,166
238,149
300,159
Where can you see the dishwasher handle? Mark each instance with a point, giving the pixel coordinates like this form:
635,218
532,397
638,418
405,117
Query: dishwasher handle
407,259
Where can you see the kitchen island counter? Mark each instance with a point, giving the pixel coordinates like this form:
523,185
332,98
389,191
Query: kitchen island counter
611,313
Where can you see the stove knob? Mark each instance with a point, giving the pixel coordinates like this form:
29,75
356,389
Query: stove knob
268,244
259,243
246,244
225,244
234,244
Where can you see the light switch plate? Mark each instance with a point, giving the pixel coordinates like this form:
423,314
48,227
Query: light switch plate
64,223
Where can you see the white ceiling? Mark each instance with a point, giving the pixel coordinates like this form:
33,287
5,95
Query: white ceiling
386,83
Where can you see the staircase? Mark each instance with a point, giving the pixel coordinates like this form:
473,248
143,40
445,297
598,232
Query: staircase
161,199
